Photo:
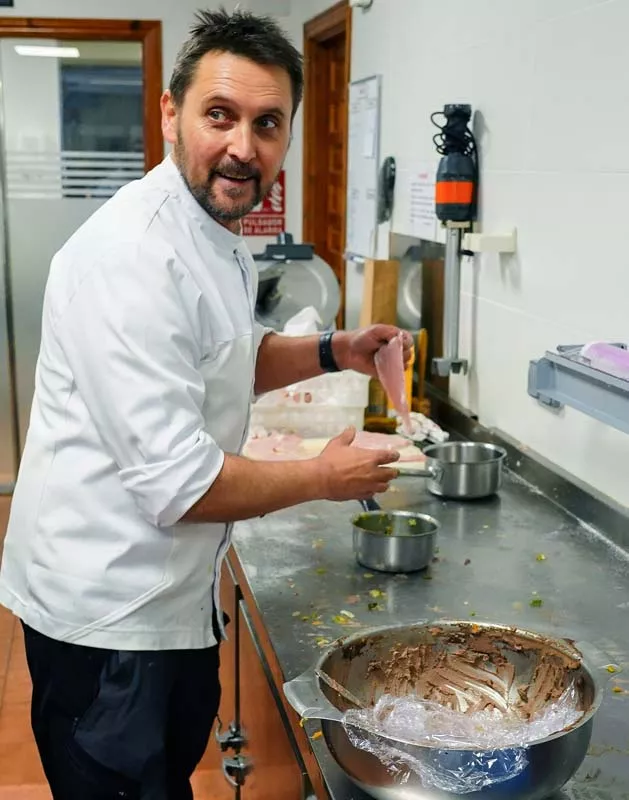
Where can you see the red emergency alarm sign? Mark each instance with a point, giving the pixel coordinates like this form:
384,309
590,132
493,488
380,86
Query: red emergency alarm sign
268,218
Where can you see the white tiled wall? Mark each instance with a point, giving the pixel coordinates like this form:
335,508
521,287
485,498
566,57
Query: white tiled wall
551,80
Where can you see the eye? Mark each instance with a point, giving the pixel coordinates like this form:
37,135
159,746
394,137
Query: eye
217,115
268,123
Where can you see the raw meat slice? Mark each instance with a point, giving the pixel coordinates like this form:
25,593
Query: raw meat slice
380,441
370,441
388,441
290,447
411,454
389,361
275,447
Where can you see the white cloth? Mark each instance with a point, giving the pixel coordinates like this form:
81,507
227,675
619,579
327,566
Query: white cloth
144,380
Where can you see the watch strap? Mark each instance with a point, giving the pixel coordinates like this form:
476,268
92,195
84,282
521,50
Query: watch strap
327,361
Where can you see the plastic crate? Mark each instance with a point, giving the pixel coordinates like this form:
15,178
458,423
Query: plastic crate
308,421
319,407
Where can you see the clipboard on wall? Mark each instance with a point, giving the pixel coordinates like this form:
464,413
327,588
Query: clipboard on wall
362,168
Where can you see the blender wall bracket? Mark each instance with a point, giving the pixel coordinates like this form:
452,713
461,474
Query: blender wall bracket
479,242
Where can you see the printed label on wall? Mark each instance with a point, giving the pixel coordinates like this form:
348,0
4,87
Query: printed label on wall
268,218
421,187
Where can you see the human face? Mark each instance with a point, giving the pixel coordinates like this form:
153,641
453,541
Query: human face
230,134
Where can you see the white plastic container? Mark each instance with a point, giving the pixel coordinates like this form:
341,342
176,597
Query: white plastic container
317,408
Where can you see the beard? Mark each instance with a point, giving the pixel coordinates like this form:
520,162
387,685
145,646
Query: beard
230,206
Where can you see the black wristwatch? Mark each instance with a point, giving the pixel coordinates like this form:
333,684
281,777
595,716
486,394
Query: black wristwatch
327,362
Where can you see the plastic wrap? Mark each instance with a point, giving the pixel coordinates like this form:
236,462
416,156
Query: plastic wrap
422,429
449,750
304,322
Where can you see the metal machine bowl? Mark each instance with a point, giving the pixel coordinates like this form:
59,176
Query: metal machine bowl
394,541
550,762
291,277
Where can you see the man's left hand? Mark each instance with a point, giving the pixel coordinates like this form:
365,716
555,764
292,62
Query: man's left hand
356,349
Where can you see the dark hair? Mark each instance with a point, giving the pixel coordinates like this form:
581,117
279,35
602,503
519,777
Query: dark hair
258,38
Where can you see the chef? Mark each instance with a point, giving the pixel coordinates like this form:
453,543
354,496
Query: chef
131,474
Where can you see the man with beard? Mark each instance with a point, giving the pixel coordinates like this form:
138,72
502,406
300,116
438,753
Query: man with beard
131,475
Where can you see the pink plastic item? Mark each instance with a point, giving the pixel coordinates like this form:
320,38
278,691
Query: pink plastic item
607,358
389,361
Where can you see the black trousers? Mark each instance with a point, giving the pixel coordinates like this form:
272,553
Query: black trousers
115,724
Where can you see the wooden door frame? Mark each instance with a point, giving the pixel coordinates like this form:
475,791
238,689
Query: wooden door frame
147,32
325,26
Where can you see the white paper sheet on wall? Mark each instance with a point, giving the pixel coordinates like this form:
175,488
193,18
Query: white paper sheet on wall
371,133
420,186
362,167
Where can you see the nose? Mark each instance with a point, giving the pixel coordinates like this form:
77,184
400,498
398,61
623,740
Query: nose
241,144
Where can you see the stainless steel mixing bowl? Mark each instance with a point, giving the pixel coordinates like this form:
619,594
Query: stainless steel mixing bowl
394,541
550,762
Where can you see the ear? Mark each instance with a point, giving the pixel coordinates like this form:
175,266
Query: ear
170,118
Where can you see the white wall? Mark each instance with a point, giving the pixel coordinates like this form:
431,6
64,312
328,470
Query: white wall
551,81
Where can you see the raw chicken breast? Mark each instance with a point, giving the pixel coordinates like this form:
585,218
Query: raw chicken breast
291,447
369,440
276,447
389,361
387,441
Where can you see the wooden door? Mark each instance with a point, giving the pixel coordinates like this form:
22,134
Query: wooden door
327,57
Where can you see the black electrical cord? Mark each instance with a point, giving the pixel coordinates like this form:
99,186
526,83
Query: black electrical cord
454,136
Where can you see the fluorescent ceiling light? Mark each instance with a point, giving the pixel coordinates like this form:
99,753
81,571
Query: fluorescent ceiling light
43,50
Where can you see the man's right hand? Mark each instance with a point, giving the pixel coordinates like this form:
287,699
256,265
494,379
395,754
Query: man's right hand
354,473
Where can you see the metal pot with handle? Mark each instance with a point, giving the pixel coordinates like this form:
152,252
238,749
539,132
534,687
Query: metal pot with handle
393,541
462,470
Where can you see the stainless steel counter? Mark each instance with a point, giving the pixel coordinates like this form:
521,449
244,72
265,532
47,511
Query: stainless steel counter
517,558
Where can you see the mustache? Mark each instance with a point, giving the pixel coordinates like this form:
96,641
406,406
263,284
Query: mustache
235,169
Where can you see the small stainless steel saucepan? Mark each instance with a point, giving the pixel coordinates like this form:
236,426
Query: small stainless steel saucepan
393,541
462,470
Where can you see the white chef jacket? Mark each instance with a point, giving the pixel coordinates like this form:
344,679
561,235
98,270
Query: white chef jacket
144,380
